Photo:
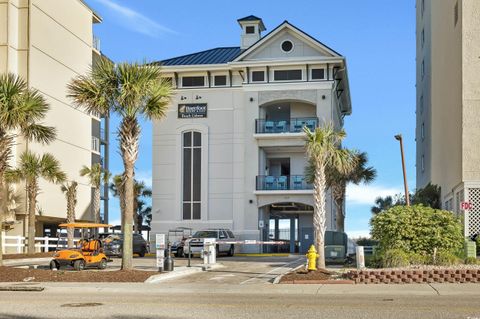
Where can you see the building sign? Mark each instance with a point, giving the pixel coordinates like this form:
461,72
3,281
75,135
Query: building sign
192,111
466,205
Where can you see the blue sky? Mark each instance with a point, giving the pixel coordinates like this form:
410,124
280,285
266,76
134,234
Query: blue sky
376,36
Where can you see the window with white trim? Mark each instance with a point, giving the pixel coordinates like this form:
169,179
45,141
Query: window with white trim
192,175
188,81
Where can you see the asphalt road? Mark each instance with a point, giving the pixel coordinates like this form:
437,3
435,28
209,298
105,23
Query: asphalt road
242,288
74,303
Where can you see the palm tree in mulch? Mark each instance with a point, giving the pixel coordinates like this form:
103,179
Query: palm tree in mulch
30,169
323,148
131,90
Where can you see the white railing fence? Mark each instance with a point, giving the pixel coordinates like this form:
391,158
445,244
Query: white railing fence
18,244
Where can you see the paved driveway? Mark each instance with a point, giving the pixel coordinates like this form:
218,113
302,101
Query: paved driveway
244,270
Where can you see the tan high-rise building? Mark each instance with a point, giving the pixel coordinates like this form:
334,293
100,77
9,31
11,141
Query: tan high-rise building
48,42
448,103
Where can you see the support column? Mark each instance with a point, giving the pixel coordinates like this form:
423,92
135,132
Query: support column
292,235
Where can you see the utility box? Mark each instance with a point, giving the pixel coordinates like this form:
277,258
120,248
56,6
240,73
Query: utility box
470,249
334,252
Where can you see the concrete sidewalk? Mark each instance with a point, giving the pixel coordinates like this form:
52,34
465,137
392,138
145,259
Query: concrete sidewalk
270,289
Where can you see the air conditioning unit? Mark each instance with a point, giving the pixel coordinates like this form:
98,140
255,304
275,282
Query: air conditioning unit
335,252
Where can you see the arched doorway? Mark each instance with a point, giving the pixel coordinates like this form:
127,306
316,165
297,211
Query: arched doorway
290,222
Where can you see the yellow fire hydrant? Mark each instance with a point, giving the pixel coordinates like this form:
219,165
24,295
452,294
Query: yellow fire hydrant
312,258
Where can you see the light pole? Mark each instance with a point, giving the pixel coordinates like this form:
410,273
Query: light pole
398,137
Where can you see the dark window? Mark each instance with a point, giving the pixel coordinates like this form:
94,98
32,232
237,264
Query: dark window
455,14
287,46
192,175
220,80
250,30
318,74
193,81
287,75
258,76
230,234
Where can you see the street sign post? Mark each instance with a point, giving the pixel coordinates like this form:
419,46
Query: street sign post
160,250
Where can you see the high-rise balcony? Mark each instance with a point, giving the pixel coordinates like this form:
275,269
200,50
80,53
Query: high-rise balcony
293,125
279,183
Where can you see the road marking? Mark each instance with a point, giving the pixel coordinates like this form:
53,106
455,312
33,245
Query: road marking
269,272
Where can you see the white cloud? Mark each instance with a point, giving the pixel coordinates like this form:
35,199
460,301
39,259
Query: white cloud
136,21
366,194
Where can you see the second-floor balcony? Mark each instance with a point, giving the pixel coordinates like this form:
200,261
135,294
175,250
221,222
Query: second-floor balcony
279,183
293,125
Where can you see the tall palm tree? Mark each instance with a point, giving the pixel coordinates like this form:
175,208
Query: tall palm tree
70,190
338,181
131,90
141,191
323,150
30,169
97,176
21,110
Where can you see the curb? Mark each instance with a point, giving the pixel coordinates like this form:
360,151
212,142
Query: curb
261,255
181,272
21,288
320,282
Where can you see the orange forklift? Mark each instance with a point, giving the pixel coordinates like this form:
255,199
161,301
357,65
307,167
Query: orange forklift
87,253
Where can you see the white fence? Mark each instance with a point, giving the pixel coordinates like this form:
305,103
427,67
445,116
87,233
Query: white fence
17,244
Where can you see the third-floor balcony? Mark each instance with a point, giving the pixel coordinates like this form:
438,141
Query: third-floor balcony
282,183
293,125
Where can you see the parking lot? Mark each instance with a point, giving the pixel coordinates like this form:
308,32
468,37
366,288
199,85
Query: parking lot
229,270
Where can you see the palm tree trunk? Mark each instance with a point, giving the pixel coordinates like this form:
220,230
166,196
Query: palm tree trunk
129,137
338,196
70,219
32,194
319,213
96,204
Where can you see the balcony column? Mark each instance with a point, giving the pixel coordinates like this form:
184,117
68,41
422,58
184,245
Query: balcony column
292,234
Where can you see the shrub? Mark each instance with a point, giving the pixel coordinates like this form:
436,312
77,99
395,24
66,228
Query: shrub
445,258
477,241
471,261
417,229
364,241
392,258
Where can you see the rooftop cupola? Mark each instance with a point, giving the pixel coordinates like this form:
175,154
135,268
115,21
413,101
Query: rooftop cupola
252,28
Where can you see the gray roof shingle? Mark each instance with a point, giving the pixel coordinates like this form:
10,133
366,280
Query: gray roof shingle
212,56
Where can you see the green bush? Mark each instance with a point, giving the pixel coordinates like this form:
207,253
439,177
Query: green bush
392,258
478,245
471,261
446,258
417,229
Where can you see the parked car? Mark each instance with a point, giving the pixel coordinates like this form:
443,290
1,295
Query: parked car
113,245
177,238
221,235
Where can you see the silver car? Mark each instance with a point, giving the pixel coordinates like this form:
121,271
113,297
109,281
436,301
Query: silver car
223,237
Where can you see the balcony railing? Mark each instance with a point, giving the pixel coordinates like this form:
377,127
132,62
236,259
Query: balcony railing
293,125
288,182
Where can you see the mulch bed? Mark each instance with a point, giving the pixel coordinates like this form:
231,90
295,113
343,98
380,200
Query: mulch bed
321,276
22,256
10,274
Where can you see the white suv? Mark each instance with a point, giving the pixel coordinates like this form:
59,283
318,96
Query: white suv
222,236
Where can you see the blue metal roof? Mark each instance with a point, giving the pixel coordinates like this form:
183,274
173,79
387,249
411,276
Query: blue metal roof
250,18
212,56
